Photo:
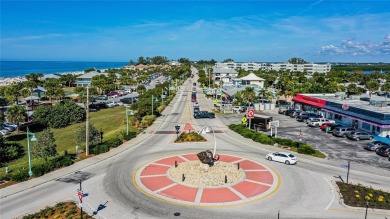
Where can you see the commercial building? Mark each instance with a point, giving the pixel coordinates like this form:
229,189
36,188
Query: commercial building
371,116
253,66
86,79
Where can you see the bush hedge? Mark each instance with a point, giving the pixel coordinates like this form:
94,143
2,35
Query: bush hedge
10,151
302,148
40,169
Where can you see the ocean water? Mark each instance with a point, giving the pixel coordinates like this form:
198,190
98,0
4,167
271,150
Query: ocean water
21,68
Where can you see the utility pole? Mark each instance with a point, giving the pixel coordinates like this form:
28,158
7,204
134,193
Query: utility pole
87,125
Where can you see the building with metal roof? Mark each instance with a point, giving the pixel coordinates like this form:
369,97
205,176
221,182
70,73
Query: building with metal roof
368,114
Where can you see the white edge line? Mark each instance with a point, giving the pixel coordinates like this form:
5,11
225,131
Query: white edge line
199,194
240,160
237,193
260,183
262,170
165,188
161,164
148,176
333,195
181,156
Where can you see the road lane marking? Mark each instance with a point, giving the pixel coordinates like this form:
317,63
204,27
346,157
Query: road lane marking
260,183
199,195
333,193
237,193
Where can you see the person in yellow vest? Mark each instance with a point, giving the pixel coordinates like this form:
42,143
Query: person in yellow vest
243,120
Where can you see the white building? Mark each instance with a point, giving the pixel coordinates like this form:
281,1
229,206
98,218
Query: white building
224,74
253,66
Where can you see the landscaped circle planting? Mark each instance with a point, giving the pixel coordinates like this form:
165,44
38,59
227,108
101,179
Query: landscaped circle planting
199,174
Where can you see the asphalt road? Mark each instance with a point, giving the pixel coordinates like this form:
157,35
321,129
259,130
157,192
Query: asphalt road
305,191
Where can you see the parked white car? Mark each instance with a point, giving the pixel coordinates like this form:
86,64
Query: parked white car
4,131
283,157
111,104
317,122
196,104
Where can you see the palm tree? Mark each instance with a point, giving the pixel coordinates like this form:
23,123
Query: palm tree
372,85
386,88
16,114
249,94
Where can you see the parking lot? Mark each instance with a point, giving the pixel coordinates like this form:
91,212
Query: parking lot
336,148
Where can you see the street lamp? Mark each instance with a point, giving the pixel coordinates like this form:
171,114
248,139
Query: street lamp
153,104
207,129
127,118
28,146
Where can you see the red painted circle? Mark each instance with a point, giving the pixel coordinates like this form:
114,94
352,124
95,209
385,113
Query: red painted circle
153,178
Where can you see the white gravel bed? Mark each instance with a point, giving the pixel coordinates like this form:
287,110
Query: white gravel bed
198,174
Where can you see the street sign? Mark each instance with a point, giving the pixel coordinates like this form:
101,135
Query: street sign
344,165
250,114
274,124
300,135
80,194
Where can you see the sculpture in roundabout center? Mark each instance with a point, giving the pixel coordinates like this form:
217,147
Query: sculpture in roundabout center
207,157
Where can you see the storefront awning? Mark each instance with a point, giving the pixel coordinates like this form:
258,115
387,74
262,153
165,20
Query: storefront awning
309,100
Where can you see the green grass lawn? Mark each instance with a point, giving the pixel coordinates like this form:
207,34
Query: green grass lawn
111,121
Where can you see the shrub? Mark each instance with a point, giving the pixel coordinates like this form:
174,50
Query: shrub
161,108
99,149
20,176
190,137
264,139
132,120
129,136
147,120
306,149
113,142
10,151
248,133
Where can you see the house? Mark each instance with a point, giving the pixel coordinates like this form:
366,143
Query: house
224,74
252,79
86,79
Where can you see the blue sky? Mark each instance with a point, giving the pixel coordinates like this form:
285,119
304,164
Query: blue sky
258,31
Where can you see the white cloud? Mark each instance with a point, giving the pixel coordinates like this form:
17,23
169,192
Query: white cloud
355,48
32,37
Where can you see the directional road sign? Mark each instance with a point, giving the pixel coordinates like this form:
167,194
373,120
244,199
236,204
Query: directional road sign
250,114
344,165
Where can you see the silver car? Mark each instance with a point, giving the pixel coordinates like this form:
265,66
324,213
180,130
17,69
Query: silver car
343,131
4,131
359,136
372,146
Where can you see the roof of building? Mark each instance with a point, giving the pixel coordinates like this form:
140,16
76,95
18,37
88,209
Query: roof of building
251,77
94,73
50,76
224,70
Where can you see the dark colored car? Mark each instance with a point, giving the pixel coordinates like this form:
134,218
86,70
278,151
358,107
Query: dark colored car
101,105
359,136
128,100
196,109
372,146
295,113
332,127
383,151
305,116
204,114
282,103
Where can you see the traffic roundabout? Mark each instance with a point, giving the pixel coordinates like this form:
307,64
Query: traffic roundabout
184,180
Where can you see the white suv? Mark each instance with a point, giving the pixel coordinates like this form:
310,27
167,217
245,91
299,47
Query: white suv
317,122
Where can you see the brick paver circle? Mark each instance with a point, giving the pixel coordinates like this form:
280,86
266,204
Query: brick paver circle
153,179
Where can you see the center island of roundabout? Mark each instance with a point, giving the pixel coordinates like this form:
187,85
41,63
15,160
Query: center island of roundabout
192,180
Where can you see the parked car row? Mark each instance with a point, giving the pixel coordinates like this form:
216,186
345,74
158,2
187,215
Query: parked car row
7,128
337,130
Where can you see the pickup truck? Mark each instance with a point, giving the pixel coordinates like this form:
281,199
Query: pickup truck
317,122
204,114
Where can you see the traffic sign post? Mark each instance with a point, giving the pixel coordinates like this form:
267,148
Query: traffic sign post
250,114
80,194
